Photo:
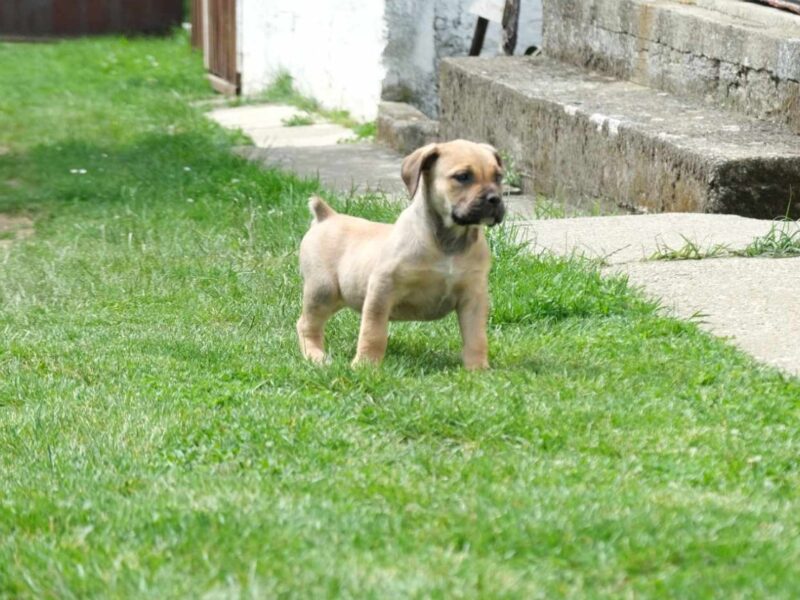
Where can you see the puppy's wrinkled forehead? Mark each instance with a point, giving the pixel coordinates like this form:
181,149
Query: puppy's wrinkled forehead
481,160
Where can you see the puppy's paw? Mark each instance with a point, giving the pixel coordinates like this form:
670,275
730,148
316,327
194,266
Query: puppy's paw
362,360
478,365
317,357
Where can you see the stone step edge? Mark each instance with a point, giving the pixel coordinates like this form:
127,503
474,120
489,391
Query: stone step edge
404,128
692,50
708,168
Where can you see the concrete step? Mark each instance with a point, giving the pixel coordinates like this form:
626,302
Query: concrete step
737,54
579,134
405,128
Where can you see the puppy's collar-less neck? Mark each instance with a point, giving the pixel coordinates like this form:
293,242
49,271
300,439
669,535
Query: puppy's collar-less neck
451,239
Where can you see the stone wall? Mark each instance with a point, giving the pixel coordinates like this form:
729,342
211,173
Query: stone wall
739,55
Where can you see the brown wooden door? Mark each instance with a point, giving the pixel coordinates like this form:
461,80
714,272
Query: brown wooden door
220,45
197,10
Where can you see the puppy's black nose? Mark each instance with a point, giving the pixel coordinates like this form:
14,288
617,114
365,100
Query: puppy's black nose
493,199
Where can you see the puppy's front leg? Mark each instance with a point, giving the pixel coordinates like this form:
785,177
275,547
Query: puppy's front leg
473,317
374,333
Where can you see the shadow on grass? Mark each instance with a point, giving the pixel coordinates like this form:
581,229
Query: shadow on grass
153,168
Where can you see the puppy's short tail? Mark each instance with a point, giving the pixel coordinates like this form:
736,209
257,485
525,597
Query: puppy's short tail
319,209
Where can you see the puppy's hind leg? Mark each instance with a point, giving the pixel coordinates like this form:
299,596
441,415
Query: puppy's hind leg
319,304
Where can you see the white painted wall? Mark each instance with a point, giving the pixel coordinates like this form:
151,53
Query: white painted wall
332,49
351,53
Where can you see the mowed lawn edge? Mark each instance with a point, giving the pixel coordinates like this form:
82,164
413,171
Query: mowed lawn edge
160,436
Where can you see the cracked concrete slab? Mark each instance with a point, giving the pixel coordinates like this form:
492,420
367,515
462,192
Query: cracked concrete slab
635,238
753,301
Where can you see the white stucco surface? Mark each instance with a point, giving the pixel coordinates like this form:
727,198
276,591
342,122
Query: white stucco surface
352,53
332,49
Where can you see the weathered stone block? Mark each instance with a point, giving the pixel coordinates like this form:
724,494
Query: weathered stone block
404,128
739,55
583,134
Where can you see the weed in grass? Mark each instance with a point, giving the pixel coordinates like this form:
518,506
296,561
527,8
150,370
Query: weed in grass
548,208
298,120
366,131
512,177
340,117
689,251
282,90
782,240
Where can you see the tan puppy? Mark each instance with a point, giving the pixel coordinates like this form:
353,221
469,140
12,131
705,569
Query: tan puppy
432,261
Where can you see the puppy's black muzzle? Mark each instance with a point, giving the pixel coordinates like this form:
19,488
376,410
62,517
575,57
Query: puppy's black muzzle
487,210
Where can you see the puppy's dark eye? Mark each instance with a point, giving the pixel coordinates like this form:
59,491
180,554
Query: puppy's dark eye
498,178
463,177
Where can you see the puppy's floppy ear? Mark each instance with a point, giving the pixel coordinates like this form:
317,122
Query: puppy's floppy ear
494,151
416,163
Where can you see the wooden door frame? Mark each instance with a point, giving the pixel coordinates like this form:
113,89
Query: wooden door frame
218,39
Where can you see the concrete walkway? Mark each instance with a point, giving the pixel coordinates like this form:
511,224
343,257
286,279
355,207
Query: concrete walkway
324,150
634,238
755,302
353,167
266,126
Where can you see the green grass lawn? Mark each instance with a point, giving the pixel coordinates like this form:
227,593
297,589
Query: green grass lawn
160,436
